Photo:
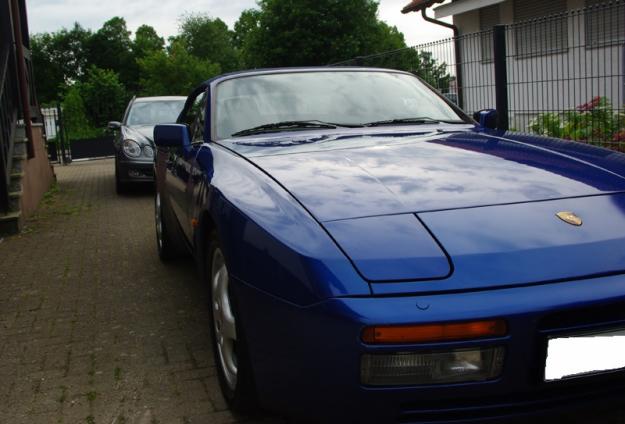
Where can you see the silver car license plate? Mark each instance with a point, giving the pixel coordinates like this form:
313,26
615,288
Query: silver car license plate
585,354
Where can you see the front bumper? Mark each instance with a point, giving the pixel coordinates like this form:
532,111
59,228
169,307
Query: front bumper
135,171
307,359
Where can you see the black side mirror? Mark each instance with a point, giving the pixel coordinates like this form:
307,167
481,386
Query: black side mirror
171,135
487,118
114,125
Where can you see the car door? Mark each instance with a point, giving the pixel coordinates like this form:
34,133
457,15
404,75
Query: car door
178,175
201,162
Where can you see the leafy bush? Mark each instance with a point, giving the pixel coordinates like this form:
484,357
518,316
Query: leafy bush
77,125
89,105
104,96
595,122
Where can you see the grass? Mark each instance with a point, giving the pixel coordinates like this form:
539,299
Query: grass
49,196
53,203
118,373
63,397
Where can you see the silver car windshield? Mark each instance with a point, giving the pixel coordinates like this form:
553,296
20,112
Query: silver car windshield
343,97
154,112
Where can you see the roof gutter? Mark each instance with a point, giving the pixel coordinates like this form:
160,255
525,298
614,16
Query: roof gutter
457,54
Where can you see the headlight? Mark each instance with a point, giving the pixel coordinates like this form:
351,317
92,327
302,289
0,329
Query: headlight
131,148
439,367
148,152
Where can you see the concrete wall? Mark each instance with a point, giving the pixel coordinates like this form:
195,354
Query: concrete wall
38,174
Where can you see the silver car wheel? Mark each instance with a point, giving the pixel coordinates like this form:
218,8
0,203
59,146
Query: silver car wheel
223,319
159,222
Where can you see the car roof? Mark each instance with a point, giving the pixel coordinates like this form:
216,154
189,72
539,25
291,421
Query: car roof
159,98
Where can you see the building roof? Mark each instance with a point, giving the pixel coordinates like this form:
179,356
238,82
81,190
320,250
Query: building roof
417,5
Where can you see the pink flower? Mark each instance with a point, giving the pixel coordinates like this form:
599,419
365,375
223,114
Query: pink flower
619,137
586,107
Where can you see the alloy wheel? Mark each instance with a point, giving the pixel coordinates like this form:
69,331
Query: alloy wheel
159,221
223,319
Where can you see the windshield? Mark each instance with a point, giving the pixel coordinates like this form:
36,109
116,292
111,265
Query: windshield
342,97
154,112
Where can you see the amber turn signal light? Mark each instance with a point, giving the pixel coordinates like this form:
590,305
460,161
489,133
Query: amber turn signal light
428,333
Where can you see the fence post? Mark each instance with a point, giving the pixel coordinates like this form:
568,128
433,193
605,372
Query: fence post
60,135
501,76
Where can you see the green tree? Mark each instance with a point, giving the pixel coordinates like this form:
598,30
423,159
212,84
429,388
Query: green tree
209,39
104,96
245,29
146,41
59,59
314,32
75,119
111,48
174,72
418,62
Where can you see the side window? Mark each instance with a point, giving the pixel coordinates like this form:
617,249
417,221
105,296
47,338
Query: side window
604,23
195,118
542,29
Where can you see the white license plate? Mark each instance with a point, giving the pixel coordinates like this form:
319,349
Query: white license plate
585,354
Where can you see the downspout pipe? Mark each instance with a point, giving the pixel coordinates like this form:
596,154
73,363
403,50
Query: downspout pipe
457,54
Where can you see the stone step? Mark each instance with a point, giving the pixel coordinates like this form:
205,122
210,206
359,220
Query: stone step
14,200
10,223
15,183
17,164
19,156
20,148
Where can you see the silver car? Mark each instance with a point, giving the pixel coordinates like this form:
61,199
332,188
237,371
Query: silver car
134,147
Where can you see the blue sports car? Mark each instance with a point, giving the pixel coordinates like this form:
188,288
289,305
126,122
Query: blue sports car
375,255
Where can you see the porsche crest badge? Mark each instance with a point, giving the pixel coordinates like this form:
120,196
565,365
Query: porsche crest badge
570,218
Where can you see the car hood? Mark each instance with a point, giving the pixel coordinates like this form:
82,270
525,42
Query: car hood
462,211
143,134
379,174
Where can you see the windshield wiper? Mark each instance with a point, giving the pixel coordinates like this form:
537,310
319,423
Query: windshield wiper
290,125
411,121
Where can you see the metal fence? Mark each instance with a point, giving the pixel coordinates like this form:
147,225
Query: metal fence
63,148
561,75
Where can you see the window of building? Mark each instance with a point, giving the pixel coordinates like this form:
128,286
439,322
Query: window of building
489,17
605,22
540,26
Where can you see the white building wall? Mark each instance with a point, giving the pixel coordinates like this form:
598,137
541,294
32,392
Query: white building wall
545,82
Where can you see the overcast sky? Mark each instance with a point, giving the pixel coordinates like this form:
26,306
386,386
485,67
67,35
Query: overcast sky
52,15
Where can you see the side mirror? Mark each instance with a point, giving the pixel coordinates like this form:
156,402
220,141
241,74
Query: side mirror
114,125
171,135
487,118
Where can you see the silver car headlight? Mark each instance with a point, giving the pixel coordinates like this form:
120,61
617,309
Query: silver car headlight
148,152
131,148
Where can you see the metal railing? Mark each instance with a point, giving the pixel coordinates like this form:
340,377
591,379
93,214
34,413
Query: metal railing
11,107
8,103
560,75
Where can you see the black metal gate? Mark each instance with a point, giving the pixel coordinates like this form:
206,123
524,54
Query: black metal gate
63,149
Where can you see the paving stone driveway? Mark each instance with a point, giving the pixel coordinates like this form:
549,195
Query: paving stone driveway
93,328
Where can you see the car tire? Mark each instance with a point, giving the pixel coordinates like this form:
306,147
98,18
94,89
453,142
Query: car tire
167,249
230,350
120,187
